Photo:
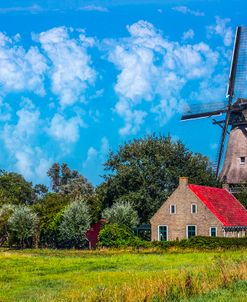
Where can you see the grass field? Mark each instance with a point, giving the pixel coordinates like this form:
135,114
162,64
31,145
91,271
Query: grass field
51,275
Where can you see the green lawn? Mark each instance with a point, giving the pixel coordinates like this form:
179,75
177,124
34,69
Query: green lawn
50,275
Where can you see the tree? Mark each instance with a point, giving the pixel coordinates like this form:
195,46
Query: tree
47,209
242,195
146,171
23,226
5,212
121,213
76,221
68,181
14,189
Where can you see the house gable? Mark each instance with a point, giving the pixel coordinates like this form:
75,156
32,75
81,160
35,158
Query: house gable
183,198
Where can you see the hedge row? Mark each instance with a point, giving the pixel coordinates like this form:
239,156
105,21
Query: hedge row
198,242
112,235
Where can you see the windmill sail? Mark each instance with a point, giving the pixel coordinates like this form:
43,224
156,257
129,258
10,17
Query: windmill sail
203,110
237,90
235,114
238,76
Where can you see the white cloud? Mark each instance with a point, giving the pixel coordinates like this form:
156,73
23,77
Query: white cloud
91,156
185,10
96,157
33,9
155,70
20,70
95,8
5,111
221,28
188,35
70,71
65,130
20,142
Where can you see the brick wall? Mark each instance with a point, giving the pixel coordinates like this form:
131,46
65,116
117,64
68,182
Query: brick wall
183,197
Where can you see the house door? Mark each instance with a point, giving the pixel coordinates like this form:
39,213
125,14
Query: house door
163,233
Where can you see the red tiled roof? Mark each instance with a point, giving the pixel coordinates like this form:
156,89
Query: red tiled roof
222,204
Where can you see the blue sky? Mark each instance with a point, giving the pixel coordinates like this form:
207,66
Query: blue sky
78,78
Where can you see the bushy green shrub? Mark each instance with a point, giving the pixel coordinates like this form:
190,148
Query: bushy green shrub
5,212
75,221
114,235
121,213
23,226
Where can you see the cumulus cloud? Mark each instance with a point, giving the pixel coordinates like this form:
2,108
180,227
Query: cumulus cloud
20,70
221,28
185,10
65,130
20,141
5,111
154,70
70,69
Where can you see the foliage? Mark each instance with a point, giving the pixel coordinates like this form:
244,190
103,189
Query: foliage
5,212
146,171
242,196
14,189
66,181
75,221
22,226
113,235
121,213
197,242
47,209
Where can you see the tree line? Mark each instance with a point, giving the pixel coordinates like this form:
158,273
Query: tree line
138,178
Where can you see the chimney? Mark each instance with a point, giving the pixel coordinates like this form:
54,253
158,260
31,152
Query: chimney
183,181
226,186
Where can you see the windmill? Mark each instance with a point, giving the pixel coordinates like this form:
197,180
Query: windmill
234,111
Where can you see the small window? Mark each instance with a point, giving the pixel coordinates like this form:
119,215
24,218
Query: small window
242,160
193,208
213,231
191,231
163,233
172,209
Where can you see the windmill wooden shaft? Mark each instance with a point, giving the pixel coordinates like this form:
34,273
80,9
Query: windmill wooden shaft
234,169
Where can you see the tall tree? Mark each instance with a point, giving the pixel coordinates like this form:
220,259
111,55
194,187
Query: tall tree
14,189
242,195
69,182
146,171
47,209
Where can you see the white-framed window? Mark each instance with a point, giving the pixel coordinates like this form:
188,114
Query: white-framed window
193,208
213,231
191,231
162,232
173,209
242,160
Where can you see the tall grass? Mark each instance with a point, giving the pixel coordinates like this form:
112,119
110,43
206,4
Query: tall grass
171,285
73,276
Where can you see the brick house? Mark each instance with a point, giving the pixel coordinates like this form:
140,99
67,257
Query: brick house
194,210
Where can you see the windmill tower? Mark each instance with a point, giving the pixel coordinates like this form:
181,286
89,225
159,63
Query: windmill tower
234,123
